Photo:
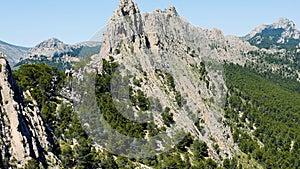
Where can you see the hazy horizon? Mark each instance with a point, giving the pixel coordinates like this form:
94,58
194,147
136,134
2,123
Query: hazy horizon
27,23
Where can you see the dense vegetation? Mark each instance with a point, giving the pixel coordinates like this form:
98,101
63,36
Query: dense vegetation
194,151
64,127
55,62
262,110
264,116
283,63
109,110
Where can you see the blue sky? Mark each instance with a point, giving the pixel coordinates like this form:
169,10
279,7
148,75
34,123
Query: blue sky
29,22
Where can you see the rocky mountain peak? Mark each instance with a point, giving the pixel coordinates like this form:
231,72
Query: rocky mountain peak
52,42
48,48
171,10
285,24
126,8
257,30
288,26
282,33
124,25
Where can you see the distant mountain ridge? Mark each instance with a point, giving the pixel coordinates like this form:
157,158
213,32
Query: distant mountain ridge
56,53
48,48
281,34
13,52
54,48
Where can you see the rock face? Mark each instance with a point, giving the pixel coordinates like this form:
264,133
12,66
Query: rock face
124,25
22,132
164,41
13,53
128,24
282,33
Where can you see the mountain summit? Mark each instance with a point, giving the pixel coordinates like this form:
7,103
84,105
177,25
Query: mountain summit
56,53
48,48
154,47
281,34
124,24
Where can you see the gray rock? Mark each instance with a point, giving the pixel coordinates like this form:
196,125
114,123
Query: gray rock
22,130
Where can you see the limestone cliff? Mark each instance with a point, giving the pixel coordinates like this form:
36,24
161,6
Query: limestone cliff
23,135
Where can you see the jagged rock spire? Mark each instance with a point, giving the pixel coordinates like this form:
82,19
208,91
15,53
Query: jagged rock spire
128,11
125,25
10,114
126,7
171,10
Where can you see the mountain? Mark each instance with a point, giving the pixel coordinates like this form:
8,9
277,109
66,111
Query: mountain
56,53
160,93
13,53
281,34
173,64
219,89
48,48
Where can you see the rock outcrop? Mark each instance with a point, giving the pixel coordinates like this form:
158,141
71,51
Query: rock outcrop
128,24
22,131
